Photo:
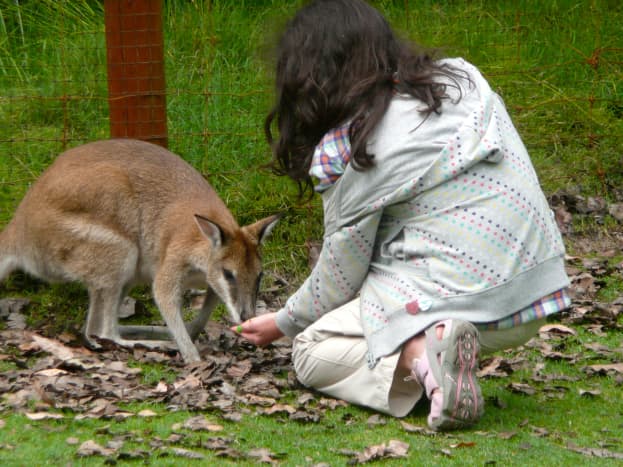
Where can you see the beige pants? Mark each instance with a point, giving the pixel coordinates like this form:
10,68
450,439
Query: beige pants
330,356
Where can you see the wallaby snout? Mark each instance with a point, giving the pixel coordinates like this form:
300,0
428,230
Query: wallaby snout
115,213
234,269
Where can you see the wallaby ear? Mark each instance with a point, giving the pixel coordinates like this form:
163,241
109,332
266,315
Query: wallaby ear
210,230
262,228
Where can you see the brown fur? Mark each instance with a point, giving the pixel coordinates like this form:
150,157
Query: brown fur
116,213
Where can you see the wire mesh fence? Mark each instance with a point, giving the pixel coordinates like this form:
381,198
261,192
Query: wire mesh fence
135,65
558,67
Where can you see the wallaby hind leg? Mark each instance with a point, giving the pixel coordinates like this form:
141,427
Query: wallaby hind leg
102,322
8,264
199,323
194,327
105,262
102,315
8,261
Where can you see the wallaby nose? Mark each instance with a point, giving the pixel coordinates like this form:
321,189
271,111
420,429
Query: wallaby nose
247,313
247,310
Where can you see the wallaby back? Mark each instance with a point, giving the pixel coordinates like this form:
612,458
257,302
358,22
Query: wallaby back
115,213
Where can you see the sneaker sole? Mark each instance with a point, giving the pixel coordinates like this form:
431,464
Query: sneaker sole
463,404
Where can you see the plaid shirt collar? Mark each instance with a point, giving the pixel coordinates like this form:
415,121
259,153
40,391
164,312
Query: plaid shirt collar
331,157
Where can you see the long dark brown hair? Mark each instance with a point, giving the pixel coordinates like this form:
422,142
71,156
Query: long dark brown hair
339,61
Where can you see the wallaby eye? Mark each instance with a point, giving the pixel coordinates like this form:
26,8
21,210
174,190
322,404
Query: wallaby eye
229,276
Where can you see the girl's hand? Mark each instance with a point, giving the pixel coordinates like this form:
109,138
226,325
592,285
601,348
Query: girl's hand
260,330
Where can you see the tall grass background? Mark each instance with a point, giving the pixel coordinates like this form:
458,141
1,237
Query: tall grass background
558,66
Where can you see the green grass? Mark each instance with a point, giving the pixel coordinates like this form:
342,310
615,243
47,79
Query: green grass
516,430
556,64
539,426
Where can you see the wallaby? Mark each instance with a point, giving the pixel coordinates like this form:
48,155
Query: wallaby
117,213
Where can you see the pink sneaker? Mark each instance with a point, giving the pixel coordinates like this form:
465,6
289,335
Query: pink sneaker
449,378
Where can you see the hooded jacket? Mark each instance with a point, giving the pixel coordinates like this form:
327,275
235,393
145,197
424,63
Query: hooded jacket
449,223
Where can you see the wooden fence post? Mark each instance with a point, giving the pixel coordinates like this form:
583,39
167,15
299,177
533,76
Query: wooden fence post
135,64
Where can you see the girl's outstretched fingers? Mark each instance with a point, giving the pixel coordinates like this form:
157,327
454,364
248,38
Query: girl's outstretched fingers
261,330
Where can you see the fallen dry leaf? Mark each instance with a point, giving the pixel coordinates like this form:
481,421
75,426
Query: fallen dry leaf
595,452
376,420
161,388
232,416
331,404
393,449
264,455
239,369
200,423
187,453
548,330
229,453
216,443
306,416
305,398
564,219
463,444
56,348
51,372
583,284
313,252
522,388
44,416
123,368
133,455
600,349
605,369
252,399
496,367
589,392
91,448
190,382
279,408
540,431
22,397
410,428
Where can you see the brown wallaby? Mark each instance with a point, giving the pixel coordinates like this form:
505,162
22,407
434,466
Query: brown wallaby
117,213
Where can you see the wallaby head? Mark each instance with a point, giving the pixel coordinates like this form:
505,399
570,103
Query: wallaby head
232,265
